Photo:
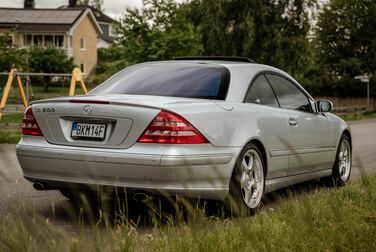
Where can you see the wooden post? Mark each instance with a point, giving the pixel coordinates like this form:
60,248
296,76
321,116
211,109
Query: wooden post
7,88
76,76
6,92
23,97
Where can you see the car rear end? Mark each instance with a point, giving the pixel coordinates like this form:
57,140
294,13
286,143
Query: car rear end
137,138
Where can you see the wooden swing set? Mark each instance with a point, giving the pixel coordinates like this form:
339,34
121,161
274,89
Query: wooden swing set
76,76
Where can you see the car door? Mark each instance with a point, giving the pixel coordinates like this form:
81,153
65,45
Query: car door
271,125
309,132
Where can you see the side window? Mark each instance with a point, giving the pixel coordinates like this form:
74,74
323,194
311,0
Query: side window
261,93
289,96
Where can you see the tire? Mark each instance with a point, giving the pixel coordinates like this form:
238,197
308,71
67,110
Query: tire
342,166
247,183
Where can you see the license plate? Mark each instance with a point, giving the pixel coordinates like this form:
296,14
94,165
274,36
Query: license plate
89,131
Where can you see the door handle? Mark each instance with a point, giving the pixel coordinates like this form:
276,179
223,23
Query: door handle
293,122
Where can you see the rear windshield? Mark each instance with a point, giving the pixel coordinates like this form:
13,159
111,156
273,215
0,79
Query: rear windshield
178,79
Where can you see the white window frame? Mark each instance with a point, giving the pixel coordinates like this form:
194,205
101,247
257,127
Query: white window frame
43,34
64,39
83,45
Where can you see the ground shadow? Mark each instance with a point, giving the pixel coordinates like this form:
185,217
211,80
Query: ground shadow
118,208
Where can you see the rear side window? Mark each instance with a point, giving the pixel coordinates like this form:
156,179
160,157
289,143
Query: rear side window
261,93
169,79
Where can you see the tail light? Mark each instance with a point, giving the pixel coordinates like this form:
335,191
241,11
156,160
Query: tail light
30,126
170,128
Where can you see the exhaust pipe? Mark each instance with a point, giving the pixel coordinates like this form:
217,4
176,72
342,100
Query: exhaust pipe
141,197
39,186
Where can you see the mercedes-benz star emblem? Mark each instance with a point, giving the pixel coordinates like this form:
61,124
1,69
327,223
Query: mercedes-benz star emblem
87,110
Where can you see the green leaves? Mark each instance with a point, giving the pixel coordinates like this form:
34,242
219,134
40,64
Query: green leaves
270,32
49,60
159,31
346,36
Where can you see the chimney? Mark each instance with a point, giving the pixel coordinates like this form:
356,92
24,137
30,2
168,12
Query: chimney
72,3
29,4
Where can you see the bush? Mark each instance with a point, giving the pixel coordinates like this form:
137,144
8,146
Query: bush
114,52
35,59
49,60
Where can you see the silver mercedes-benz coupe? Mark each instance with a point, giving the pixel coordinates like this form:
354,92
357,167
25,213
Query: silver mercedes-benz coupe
209,127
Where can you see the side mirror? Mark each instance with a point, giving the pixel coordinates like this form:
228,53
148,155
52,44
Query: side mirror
324,106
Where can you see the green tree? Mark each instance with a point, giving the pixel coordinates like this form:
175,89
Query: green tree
83,2
158,31
10,55
96,4
49,60
209,18
268,31
346,36
346,44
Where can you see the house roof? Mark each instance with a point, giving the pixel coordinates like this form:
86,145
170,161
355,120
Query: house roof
100,16
42,28
39,16
44,19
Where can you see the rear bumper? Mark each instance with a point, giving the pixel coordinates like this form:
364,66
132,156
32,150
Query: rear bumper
191,170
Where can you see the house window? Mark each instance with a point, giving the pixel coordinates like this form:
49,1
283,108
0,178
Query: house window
28,40
82,67
43,40
59,40
38,40
111,31
48,40
82,44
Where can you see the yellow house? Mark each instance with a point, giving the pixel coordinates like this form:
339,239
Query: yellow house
73,30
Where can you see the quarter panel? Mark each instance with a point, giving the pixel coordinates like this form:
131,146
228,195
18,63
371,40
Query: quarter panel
241,124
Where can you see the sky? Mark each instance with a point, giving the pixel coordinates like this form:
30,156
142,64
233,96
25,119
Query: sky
113,8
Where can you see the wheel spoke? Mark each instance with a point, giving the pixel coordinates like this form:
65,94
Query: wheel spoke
251,183
341,169
250,163
243,180
247,197
254,194
244,166
345,154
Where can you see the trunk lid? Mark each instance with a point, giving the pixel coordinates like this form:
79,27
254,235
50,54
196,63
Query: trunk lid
124,117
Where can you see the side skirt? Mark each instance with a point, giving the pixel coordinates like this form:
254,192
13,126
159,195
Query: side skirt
278,183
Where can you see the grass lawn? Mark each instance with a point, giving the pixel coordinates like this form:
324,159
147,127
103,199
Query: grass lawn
12,118
358,116
319,219
38,93
10,136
